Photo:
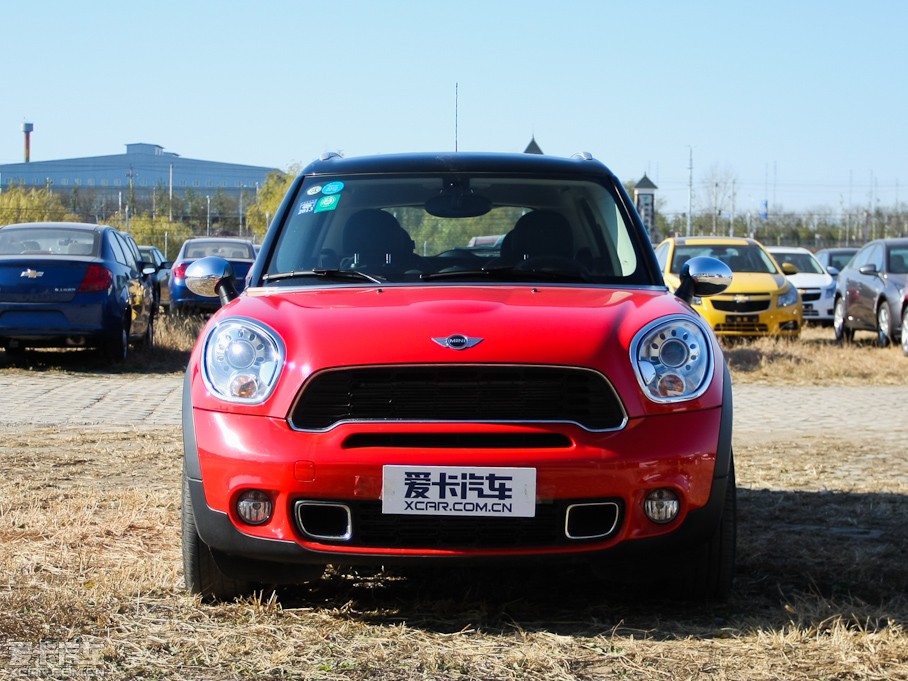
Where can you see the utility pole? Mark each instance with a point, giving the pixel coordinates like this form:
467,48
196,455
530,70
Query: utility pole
690,187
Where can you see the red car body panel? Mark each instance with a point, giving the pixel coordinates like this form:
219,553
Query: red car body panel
243,447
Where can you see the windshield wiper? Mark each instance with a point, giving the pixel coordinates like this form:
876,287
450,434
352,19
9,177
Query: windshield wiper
322,274
509,274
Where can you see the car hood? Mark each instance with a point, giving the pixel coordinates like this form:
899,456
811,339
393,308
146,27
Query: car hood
811,280
351,326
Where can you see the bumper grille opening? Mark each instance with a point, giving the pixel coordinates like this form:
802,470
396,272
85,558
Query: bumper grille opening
591,520
458,393
373,529
325,521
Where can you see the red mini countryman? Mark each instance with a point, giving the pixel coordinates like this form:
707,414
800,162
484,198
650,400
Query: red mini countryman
384,392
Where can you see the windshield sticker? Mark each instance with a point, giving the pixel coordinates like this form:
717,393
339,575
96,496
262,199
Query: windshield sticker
306,207
332,187
327,203
312,191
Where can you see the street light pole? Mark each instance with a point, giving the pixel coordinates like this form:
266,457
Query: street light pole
690,188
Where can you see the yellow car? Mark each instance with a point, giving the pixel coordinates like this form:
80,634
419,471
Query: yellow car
760,301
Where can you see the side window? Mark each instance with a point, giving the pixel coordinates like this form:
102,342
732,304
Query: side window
861,258
119,252
662,255
876,257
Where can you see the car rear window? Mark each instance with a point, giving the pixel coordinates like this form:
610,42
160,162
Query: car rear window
48,241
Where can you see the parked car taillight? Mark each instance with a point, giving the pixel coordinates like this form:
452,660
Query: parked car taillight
179,270
96,278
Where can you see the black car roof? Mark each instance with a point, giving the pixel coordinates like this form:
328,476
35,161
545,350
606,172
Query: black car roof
579,164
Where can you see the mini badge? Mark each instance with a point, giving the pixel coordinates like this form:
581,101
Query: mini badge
458,341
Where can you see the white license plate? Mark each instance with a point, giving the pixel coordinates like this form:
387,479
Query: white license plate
459,490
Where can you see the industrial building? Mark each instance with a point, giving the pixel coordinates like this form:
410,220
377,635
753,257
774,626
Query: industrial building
145,170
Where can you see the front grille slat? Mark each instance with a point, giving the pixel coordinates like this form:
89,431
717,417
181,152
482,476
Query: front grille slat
458,393
741,306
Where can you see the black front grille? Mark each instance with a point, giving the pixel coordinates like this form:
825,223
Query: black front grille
458,393
741,306
373,529
809,296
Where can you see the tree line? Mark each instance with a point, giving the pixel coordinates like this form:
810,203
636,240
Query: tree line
166,224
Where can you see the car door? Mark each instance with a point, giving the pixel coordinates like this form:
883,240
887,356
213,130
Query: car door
867,286
141,299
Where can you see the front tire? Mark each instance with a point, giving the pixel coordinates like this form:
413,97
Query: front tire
905,332
147,342
200,572
883,325
712,569
842,333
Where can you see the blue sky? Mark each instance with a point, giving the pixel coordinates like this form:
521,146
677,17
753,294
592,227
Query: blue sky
800,103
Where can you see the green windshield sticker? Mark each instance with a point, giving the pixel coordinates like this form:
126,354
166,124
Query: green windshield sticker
327,203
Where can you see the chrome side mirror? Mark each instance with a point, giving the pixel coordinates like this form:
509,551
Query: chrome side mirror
211,277
703,276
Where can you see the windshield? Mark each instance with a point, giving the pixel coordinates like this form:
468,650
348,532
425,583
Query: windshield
743,258
439,227
805,262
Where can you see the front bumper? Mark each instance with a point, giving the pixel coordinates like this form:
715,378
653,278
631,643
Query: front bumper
226,454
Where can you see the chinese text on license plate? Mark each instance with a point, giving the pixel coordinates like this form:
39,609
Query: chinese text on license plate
459,490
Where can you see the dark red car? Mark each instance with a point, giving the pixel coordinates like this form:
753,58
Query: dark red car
380,393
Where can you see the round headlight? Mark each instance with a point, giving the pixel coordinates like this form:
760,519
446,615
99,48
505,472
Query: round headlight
789,296
242,361
672,359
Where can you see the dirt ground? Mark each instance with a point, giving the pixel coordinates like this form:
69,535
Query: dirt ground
92,584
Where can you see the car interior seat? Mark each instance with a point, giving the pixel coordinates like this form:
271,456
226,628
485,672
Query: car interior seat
538,233
898,264
736,263
375,237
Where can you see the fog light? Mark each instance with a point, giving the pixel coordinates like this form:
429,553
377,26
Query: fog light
661,506
254,507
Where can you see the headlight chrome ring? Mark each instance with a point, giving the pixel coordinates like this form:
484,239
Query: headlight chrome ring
242,360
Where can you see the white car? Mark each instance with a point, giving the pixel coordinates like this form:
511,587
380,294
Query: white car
814,283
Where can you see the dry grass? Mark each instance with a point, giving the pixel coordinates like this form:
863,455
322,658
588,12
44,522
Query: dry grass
92,584
816,359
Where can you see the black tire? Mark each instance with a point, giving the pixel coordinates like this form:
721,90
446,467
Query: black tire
712,569
905,332
883,325
200,572
147,342
842,333
116,346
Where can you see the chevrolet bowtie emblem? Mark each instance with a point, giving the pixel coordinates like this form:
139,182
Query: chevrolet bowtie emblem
31,274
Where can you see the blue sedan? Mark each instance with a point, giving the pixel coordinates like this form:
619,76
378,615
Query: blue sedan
72,285
240,253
